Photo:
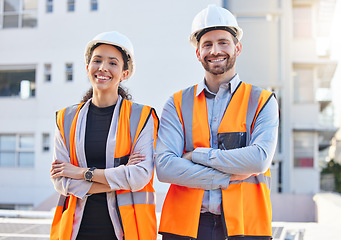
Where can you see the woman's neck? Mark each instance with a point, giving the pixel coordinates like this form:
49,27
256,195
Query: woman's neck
104,100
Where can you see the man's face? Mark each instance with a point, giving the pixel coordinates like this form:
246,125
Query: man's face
217,52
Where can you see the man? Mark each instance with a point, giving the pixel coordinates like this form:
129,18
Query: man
216,142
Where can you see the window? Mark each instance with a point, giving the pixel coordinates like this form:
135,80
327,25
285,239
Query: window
70,5
49,6
302,20
47,73
11,206
304,149
18,13
69,72
16,150
46,142
304,85
93,5
17,82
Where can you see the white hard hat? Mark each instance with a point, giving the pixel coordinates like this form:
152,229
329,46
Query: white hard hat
116,39
214,17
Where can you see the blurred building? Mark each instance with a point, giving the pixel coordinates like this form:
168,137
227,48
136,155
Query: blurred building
287,43
285,50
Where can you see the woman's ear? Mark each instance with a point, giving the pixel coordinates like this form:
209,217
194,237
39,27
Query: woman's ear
124,75
87,70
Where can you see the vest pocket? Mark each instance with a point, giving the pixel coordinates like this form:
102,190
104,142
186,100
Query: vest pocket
231,140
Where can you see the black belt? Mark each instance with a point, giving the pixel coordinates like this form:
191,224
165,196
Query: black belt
208,214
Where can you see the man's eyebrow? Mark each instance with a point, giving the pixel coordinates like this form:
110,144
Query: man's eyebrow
208,41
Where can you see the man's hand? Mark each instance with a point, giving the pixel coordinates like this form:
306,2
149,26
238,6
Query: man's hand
240,177
187,155
135,158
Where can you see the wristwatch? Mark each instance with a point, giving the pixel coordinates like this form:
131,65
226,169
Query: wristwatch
89,174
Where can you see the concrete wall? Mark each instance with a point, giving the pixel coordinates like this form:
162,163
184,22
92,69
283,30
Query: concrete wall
300,113
293,208
307,180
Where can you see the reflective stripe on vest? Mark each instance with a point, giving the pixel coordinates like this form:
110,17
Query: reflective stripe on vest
136,210
234,132
68,117
138,198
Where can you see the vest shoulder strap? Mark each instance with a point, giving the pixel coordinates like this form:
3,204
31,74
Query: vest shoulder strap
184,104
139,117
65,118
135,115
257,101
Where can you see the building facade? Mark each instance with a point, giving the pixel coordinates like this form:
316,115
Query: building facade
42,70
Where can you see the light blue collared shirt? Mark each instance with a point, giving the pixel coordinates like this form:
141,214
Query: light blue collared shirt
211,168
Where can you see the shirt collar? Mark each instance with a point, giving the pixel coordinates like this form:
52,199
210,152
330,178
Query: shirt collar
233,85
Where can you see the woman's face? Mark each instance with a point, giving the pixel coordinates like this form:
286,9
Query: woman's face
105,69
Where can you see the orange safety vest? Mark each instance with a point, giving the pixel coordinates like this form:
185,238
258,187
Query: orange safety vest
246,205
136,210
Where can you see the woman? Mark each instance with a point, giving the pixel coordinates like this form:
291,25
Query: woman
110,140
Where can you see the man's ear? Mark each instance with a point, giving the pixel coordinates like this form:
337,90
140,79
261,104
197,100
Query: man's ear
198,54
238,48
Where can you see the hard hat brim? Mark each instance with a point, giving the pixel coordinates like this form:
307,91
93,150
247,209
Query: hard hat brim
194,38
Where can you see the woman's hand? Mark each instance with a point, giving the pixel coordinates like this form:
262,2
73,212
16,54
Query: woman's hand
187,155
135,158
65,169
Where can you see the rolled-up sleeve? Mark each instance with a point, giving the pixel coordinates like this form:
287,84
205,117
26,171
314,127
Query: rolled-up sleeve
135,177
255,158
64,185
171,168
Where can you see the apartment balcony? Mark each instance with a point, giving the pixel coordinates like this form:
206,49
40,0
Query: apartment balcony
305,116
324,96
309,118
303,49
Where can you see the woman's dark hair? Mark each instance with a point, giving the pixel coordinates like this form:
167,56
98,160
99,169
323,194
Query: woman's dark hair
123,92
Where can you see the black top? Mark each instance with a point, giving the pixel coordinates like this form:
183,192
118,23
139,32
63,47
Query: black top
96,222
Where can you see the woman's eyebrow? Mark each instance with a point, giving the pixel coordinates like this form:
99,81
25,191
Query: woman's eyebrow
111,58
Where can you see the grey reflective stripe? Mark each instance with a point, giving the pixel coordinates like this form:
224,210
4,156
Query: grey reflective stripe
256,180
251,110
61,200
134,198
187,117
69,115
134,119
